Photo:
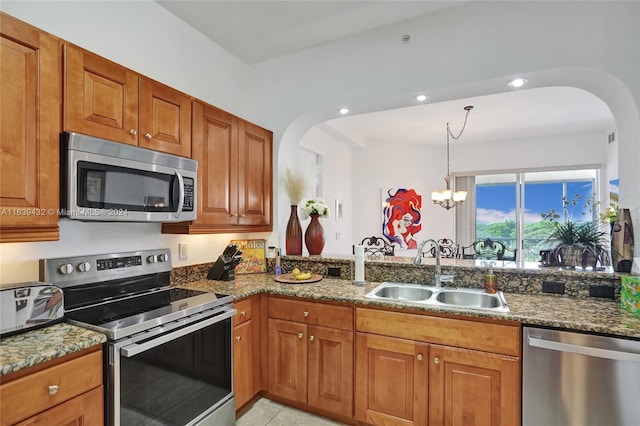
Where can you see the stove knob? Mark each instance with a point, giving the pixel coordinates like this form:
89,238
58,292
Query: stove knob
84,266
152,259
65,268
163,257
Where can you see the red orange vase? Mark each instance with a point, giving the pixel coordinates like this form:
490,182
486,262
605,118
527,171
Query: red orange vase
314,236
293,237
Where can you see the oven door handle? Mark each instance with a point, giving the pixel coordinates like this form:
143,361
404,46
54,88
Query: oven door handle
136,348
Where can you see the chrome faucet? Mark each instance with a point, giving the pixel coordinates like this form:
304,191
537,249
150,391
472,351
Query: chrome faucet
439,278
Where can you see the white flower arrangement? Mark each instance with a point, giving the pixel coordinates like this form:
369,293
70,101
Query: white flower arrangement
315,206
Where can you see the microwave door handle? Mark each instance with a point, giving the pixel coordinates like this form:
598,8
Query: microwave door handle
181,196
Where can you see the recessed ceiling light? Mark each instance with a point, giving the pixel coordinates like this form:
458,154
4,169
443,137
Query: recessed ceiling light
421,98
518,82
344,110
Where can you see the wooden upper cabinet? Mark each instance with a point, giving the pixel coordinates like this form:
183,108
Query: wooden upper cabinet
29,132
109,101
100,97
165,119
254,176
234,174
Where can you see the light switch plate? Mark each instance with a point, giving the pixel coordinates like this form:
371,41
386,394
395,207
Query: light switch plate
183,251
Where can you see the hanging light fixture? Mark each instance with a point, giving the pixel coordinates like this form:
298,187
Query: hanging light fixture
447,198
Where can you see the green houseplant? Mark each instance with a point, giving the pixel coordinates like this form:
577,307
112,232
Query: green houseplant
578,243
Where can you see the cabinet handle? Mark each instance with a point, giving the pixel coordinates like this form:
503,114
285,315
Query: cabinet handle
299,335
436,360
243,313
419,357
238,338
133,132
147,135
53,389
305,314
243,215
311,338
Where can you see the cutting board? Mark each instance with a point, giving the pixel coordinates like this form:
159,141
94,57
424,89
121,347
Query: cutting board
288,279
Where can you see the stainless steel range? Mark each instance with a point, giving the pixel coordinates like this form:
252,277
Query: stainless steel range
168,359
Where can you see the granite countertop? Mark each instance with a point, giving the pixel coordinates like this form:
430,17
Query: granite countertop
590,315
42,345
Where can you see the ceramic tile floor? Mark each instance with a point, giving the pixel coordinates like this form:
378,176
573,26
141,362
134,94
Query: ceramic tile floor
266,412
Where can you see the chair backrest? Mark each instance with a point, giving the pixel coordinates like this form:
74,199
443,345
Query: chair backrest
377,246
448,248
485,249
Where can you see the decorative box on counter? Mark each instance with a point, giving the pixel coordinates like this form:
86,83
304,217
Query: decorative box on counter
630,294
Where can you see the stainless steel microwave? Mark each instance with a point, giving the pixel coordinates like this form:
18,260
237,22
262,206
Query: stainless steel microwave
114,182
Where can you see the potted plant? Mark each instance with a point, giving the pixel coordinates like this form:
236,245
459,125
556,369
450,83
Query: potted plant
578,243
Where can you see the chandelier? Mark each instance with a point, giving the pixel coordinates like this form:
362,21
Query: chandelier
447,198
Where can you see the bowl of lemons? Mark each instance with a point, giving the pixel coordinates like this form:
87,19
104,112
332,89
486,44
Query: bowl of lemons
298,277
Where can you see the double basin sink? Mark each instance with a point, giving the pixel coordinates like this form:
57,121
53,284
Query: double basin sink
468,298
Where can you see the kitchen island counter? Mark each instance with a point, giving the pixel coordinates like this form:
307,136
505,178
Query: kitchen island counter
578,314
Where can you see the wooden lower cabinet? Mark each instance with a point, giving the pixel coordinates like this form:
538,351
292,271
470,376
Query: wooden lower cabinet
86,409
310,362
470,388
66,391
391,380
246,350
425,377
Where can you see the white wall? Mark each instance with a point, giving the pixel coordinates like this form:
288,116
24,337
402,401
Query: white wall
461,52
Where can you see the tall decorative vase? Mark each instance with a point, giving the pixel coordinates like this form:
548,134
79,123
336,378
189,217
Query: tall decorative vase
314,236
622,242
293,238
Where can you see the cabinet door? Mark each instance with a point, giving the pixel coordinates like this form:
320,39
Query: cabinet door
470,388
165,119
288,359
391,380
215,146
254,176
100,97
243,362
330,370
29,133
85,409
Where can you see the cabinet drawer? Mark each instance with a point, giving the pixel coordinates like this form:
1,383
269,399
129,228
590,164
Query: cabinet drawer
29,395
244,308
311,313
490,337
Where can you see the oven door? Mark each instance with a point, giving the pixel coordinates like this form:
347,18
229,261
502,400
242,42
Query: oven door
181,375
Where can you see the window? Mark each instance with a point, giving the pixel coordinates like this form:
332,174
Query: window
508,207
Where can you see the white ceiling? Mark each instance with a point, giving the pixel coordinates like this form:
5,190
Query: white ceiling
256,31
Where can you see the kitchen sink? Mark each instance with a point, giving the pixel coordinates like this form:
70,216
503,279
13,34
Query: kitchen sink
409,292
468,298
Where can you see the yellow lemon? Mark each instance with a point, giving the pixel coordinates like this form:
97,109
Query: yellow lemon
295,272
303,276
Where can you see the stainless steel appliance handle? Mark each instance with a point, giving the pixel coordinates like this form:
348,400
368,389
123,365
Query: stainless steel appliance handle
136,348
181,201
583,350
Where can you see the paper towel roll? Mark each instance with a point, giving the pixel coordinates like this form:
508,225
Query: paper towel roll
359,274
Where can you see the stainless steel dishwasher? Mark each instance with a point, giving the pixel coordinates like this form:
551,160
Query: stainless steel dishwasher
576,379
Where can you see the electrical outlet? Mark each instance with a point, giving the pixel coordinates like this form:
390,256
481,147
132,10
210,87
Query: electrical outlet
603,291
183,251
552,287
333,271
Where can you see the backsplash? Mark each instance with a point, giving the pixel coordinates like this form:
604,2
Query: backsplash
582,284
